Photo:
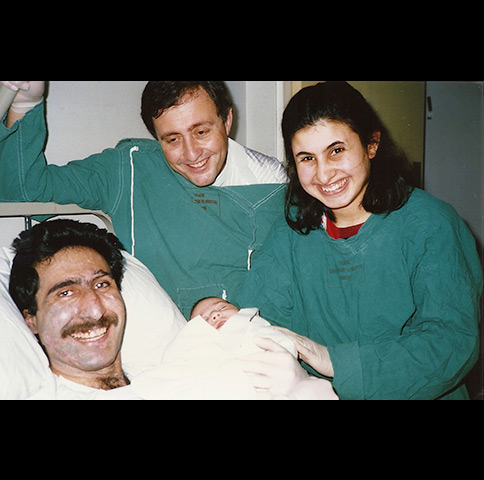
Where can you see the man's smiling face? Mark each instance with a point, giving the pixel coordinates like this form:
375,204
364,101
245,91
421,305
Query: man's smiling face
194,138
81,315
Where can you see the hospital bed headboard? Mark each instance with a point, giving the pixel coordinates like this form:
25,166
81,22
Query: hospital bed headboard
29,210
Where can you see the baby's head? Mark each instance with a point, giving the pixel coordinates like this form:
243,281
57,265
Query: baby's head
214,310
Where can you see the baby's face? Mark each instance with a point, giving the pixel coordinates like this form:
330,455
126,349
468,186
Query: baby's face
215,311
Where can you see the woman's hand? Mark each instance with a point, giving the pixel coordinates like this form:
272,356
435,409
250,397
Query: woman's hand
312,353
274,372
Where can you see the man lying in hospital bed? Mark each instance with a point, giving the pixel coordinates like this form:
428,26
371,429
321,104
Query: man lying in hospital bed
153,322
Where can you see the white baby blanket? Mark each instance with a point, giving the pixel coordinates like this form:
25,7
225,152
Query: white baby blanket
199,362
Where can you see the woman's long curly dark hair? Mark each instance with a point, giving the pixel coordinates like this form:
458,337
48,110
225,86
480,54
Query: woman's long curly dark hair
391,177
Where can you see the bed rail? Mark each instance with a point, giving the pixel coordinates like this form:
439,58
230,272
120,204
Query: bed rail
29,210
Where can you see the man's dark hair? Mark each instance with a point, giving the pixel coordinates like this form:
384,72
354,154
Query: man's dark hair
43,241
160,96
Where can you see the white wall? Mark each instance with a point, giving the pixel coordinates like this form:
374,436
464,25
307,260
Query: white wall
85,117
259,108
238,90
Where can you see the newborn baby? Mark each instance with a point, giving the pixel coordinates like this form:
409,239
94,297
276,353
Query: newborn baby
215,311
201,362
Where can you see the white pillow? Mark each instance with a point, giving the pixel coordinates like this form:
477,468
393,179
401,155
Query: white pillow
24,368
153,319
152,322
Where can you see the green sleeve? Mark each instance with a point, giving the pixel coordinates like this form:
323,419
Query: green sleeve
439,344
26,177
268,286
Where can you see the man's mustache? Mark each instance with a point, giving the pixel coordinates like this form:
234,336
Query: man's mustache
104,321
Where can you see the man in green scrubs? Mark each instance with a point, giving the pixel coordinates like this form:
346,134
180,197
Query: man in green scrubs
193,205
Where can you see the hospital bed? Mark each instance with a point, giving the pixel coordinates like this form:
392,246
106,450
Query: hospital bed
30,210
153,320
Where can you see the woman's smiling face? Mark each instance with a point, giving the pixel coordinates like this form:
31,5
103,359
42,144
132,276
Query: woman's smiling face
334,167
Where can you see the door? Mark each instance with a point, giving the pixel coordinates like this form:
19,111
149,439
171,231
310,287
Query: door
454,155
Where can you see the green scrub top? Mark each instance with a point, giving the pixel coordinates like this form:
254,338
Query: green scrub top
197,242
397,305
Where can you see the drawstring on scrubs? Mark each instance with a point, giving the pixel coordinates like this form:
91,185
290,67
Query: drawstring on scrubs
249,262
133,241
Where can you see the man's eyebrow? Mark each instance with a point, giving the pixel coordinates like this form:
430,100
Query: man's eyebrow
201,124
63,284
77,281
192,127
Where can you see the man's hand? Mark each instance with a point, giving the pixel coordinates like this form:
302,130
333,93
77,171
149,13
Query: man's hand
30,93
